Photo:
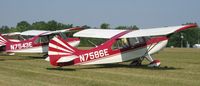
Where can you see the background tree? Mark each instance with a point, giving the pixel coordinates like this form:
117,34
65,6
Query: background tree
192,36
134,27
13,29
86,27
121,27
4,29
105,26
41,25
52,25
23,26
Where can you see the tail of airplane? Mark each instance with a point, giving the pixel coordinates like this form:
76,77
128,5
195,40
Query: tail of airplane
3,40
60,52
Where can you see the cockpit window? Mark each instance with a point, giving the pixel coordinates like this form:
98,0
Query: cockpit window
43,39
135,41
120,44
17,37
127,43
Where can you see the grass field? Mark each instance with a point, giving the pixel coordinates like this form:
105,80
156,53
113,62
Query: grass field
179,67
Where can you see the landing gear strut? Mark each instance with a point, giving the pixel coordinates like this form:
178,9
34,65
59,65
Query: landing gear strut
138,61
45,55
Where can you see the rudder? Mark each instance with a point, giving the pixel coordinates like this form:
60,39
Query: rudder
60,52
3,40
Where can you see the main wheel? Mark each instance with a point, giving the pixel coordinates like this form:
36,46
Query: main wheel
137,62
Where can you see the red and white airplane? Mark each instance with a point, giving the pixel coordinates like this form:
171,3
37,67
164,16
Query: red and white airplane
37,41
123,45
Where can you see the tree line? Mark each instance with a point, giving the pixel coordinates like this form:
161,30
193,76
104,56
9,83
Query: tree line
191,36
41,25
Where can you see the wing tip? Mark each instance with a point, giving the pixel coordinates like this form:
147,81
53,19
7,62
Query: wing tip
187,27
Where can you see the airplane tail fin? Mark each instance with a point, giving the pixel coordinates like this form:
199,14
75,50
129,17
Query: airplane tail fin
60,52
3,40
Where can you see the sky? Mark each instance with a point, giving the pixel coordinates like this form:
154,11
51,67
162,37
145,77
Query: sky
143,13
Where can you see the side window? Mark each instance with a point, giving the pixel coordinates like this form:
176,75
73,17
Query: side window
136,41
117,45
146,38
27,37
133,41
127,43
43,39
17,37
141,39
121,43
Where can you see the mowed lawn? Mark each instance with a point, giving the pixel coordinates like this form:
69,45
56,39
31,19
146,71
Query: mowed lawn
179,67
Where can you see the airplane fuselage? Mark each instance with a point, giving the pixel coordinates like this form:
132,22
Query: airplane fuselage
123,45
109,55
106,53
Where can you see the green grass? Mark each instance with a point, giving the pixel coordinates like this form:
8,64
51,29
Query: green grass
179,67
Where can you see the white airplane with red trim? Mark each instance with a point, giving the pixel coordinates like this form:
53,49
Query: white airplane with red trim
122,45
37,41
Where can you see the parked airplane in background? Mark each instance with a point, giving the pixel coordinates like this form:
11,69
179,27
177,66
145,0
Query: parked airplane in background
33,41
122,45
196,46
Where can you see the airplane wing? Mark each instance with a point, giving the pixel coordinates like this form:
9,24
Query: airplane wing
14,33
61,31
157,31
98,33
109,33
46,32
34,32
